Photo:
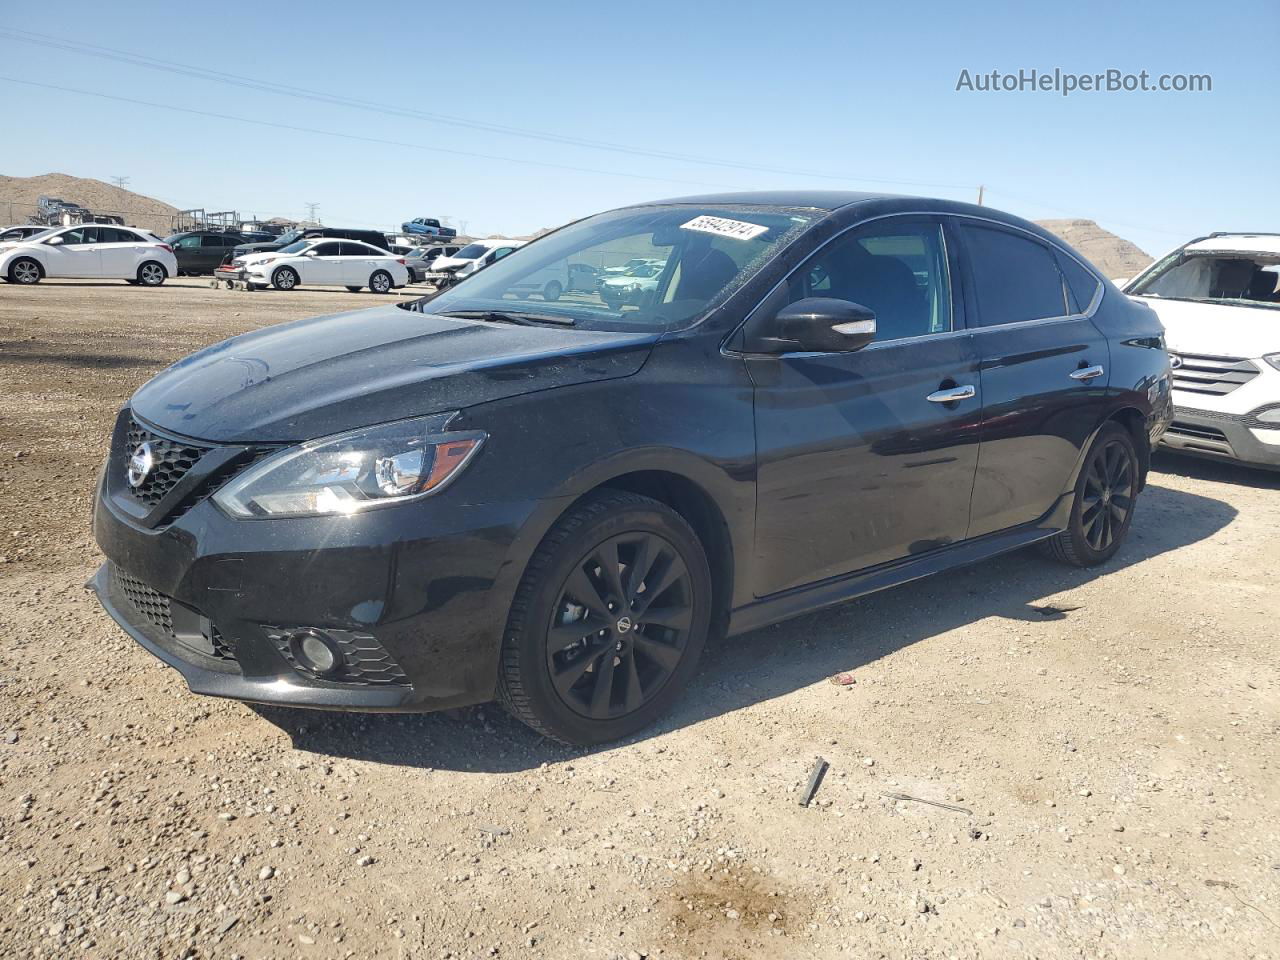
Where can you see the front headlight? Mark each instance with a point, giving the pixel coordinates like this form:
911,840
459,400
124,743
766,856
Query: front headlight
371,467
1273,359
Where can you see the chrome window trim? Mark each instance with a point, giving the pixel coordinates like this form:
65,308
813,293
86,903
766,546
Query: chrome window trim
1086,315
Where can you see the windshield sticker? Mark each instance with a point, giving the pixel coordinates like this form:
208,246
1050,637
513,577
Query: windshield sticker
724,227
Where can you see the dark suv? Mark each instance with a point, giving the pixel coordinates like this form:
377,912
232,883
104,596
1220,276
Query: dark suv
374,237
556,501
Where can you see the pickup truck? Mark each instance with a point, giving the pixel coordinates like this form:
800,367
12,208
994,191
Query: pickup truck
427,227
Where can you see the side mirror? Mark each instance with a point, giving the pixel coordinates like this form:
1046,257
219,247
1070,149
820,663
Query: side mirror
819,325
55,241
311,253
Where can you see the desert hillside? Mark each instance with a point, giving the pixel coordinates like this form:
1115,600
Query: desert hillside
1114,256
18,197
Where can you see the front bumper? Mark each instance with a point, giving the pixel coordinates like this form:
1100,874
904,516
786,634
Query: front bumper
1241,438
415,596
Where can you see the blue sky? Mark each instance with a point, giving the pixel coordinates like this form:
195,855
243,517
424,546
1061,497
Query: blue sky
778,92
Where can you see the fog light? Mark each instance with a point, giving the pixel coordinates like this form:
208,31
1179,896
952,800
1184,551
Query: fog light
1270,416
315,652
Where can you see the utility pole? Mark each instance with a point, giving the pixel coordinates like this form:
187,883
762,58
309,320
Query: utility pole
120,181
981,189
311,212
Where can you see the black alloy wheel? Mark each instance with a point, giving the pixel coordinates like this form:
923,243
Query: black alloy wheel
620,626
608,622
1106,493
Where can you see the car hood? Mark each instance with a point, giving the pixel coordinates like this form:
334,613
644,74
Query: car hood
325,375
1215,329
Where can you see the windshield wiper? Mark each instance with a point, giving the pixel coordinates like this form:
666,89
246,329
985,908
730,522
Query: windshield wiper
521,319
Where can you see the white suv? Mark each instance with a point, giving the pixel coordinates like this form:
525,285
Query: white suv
92,251
1219,300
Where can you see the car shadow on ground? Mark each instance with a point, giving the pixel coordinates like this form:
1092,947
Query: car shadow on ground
1218,471
741,671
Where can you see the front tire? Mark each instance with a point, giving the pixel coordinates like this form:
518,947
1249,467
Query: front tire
552,290
380,282
1102,509
151,274
285,278
608,622
25,270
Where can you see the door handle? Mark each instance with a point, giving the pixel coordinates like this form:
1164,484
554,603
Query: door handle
952,394
1087,373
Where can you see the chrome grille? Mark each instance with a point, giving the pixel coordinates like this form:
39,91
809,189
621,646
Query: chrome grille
1215,376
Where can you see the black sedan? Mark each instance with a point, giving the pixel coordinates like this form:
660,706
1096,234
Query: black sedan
556,503
200,251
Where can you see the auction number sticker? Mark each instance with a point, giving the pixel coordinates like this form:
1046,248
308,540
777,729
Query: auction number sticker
724,227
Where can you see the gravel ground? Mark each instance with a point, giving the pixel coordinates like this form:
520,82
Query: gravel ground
1113,733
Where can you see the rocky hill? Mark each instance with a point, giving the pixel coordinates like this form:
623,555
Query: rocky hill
1114,256
18,197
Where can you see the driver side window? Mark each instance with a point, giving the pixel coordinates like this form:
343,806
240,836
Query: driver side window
896,266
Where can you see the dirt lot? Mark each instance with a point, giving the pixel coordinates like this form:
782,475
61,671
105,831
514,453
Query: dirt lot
1113,732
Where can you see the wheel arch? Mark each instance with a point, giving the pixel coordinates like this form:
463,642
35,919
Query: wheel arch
1133,420
701,511
23,255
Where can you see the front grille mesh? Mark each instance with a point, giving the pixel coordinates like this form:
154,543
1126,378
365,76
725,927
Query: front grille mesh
1214,376
151,604
157,609
172,460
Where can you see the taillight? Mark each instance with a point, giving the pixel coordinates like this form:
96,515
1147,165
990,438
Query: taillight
401,260
165,246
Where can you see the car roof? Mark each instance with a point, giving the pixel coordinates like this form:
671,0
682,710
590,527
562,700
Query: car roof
1266,243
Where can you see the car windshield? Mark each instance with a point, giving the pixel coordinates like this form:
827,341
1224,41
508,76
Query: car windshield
295,247
37,236
684,259
289,237
471,251
1235,279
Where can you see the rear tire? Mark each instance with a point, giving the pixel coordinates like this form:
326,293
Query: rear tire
380,282
1105,496
552,290
285,278
152,274
608,622
26,271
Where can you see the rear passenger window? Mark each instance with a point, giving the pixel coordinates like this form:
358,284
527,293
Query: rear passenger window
352,249
1081,284
1016,278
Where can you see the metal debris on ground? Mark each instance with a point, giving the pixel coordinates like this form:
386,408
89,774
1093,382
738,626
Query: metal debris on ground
815,778
932,803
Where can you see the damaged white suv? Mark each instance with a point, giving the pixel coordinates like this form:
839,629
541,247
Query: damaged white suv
1219,300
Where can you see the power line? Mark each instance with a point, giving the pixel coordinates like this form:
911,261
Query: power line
269,86
357,137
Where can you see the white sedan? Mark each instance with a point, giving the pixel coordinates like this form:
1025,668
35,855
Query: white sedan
320,262
92,251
